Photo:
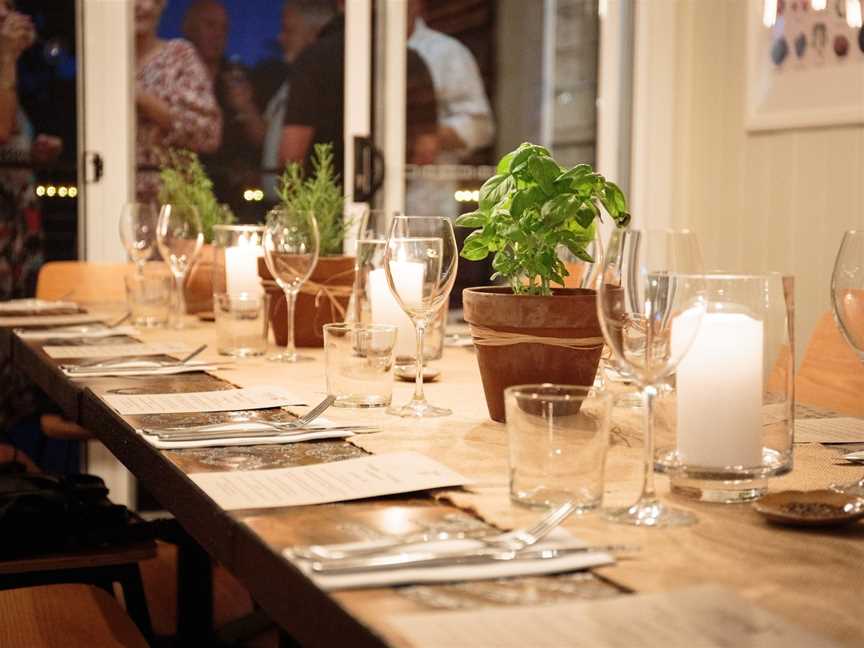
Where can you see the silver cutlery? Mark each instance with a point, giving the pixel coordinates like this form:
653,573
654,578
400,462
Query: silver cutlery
355,550
119,320
854,457
479,556
510,541
100,364
254,434
195,431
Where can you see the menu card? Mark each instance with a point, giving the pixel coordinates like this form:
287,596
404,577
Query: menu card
706,616
116,350
830,430
337,481
211,401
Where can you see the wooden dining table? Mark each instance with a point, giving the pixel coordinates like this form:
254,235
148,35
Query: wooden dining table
810,577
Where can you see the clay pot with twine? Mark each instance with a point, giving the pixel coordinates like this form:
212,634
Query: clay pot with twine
199,282
528,339
323,299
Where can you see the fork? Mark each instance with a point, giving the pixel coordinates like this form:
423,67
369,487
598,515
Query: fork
510,541
299,422
97,364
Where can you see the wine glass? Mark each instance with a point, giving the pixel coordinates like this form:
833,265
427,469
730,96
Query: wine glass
650,282
138,232
180,237
291,252
420,264
847,301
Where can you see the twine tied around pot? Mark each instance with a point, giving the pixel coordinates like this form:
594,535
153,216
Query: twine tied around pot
324,291
490,337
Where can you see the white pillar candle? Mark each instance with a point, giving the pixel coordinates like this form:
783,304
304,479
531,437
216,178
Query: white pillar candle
386,310
719,391
241,268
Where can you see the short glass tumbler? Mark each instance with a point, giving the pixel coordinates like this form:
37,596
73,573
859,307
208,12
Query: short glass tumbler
241,323
359,364
149,299
559,435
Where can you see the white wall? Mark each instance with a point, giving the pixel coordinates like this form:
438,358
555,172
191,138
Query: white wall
760,201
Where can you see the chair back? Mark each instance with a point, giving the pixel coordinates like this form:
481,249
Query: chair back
831,375
82,281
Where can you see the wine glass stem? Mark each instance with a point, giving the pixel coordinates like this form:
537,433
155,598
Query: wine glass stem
181,296
139,268
420,328
649,393
290,301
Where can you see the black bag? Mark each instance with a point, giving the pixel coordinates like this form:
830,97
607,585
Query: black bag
44,514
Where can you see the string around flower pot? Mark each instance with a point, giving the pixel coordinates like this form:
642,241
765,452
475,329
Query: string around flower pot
490,337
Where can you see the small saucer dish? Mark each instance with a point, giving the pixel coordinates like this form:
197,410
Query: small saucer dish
810,508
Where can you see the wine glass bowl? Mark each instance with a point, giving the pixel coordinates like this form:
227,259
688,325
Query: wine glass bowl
180,237
420,263
138,222
291,252
650,283
847,302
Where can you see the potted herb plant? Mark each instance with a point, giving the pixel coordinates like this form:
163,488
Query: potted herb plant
527,210
184,181
324,297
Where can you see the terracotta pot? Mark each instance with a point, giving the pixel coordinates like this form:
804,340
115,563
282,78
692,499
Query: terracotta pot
199,282
335,272
569,313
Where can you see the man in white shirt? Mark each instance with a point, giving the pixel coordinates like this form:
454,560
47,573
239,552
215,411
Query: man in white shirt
465,122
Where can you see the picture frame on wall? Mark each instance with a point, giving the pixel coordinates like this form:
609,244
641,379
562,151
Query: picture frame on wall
807,68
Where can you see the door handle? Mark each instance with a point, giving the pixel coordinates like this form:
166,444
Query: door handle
94,167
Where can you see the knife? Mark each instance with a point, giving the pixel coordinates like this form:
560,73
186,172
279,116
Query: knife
162,435
430,559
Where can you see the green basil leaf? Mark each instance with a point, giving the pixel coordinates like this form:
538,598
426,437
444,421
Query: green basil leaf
559,209
494,190
543,171
475,248
471,219
525,199
504,164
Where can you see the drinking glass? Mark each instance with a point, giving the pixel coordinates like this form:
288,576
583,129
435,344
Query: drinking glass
420,264
138,232
291,252
650,282
180,237
847,301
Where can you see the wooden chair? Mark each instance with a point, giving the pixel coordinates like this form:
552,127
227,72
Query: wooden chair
831,375
82,281
67,616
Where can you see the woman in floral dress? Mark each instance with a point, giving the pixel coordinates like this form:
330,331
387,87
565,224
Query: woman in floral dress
174,99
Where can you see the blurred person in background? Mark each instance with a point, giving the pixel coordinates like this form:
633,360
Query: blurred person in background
174,98
21,233
302,21
465,117
26,415
233,167
314,108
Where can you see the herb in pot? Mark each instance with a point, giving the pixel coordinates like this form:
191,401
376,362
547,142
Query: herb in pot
185,181
320,194
529,208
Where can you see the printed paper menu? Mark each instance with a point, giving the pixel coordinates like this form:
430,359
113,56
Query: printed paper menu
116,350
211,401
337,481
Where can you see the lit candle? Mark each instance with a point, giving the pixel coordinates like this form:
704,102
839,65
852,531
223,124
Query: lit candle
241,267
719,391
386,310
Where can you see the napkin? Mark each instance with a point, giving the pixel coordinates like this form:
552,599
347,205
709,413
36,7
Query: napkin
139,368
77,332
311,435
558,539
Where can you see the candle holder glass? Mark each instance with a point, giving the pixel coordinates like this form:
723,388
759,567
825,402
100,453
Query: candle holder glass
374,304
732,414
236,250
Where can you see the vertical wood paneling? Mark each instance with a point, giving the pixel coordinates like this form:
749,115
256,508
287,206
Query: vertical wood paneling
767,201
